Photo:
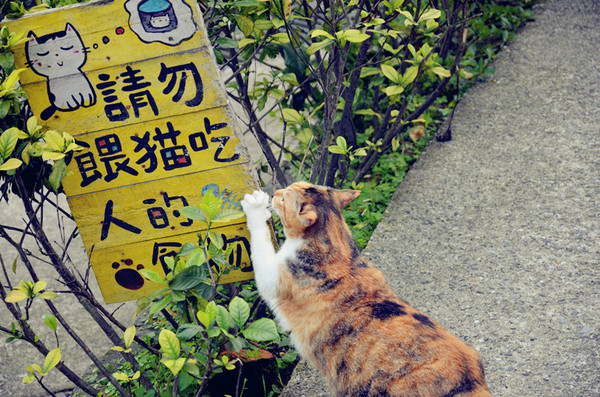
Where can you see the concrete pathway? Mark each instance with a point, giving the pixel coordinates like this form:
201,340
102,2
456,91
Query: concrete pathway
496,233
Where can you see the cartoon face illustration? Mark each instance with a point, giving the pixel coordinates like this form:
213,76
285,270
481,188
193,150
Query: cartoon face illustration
160,22
59,57
166,21
57,54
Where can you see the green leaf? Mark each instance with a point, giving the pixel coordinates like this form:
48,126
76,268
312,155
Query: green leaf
280,38
314,47
227,215
244,41
395,144
187,249
47,295
188,331
336,149
321,32
262,330
28,379
227,42
118,349
393,90
39,286
263,24
390,73
245,24
440,71
216,239
211,310
369,71
15,296
50,321
14,265
341,142
52,358
203,318
368,112
188,278
5,107
8,142
161,304
128,336
169,344
59,171
222,317
152,276
174,365
193,212
410,75
292,115
7,62
197,258
121,376
239,311
432,13
290,78
354,36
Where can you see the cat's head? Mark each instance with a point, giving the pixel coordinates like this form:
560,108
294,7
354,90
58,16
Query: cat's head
305,208
56,54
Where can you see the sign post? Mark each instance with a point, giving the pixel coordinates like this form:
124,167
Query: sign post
136,84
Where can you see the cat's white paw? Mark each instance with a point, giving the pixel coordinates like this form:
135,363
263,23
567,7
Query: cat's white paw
255,206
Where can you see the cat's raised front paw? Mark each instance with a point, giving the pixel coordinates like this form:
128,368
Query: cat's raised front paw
255,206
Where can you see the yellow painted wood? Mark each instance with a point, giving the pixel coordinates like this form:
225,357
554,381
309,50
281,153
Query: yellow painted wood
98,24
116,268
147,104
151,209
96,167
161,105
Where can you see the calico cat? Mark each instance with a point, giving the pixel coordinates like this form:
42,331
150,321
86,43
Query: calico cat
59,57
341,314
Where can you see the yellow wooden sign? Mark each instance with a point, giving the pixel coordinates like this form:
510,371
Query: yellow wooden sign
135,82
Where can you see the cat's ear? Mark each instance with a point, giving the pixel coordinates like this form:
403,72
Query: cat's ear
307,215
32,37
69,28
344,197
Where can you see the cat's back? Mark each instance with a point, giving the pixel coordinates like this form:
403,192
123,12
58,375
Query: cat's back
368,342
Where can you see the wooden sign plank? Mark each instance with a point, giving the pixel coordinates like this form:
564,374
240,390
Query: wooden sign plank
148,211
133,93
136,83
106,36
117,269
157,149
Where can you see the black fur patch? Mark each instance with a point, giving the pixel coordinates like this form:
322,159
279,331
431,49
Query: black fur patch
309,257
355,252
342,367
329,284
423,319
387,309
466,385
342,331
299,269
324,205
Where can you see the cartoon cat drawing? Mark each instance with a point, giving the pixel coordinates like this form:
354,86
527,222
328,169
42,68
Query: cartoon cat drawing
59,57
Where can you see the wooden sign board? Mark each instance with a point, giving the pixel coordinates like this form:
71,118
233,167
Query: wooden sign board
136,83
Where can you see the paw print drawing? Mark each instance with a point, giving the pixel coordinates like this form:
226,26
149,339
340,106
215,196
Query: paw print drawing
255,206
128,277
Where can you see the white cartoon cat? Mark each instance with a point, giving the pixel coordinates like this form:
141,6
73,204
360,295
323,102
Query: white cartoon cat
59,57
